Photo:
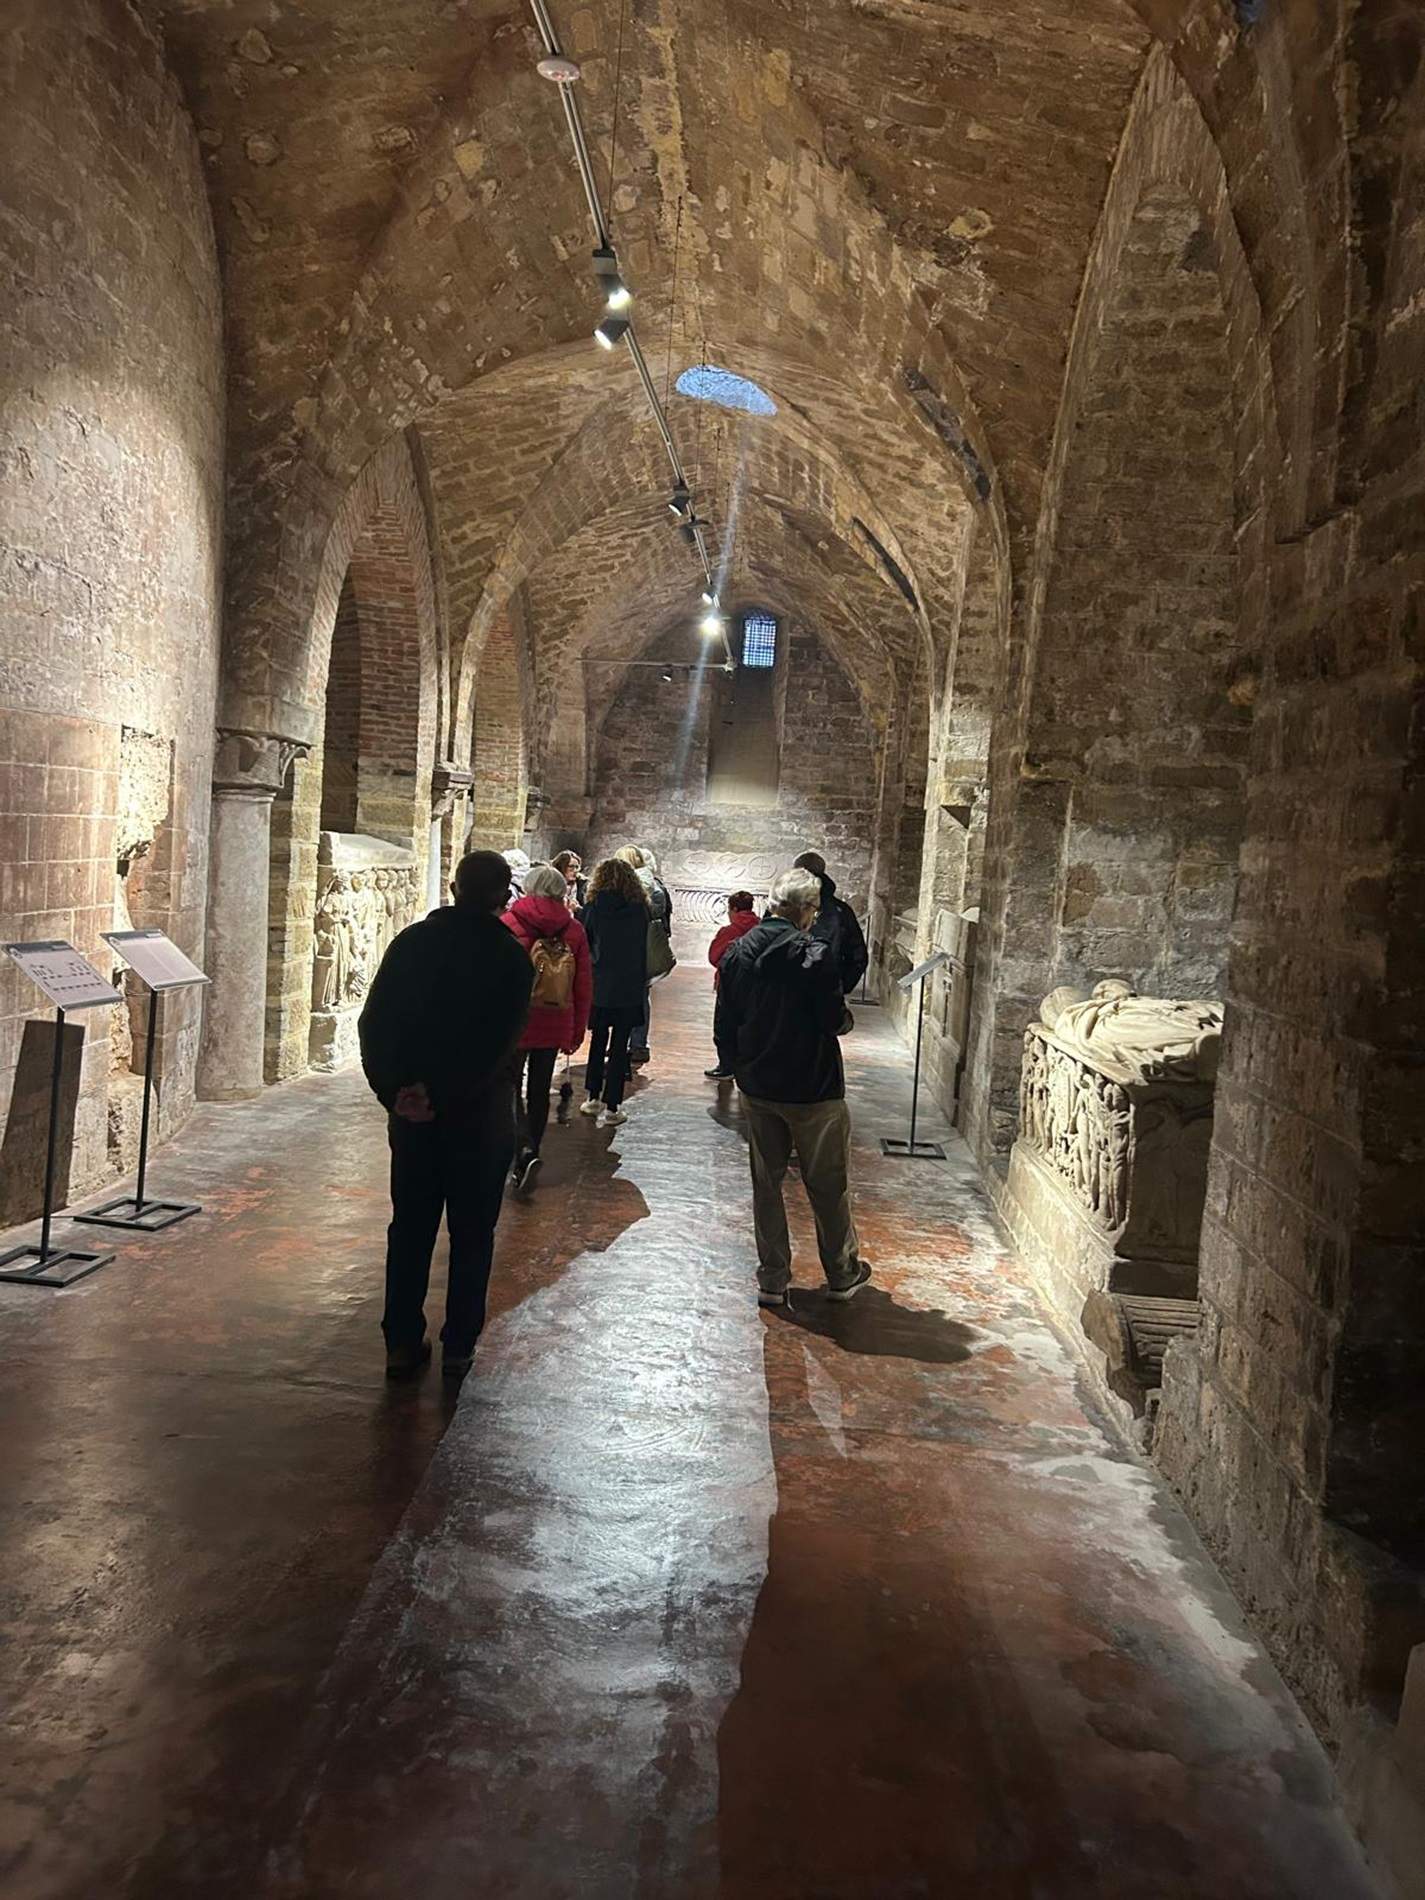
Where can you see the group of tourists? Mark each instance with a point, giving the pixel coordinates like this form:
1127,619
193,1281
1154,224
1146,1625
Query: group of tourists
473,1009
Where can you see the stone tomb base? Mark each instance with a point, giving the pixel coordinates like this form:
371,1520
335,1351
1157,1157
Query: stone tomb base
1104,1198
367,891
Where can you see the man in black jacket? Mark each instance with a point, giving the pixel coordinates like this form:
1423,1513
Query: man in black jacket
780,1008
836,924
437,1033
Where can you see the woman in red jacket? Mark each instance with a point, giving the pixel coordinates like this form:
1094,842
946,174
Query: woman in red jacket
559,1008
741,918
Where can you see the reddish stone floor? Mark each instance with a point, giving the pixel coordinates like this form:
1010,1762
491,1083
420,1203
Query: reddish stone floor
688,1600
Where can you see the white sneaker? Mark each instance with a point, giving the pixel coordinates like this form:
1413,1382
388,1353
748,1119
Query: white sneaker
612,1117
591,1107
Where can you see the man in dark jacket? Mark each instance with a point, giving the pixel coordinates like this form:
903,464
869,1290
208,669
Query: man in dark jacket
780,1008
440,1024
836,924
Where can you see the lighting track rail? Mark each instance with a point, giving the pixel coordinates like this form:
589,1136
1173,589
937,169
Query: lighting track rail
557,66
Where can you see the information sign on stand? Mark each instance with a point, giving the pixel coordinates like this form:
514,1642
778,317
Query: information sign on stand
70,982
161,966
911,1149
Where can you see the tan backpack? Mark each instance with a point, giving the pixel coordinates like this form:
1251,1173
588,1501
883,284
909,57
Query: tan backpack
553,962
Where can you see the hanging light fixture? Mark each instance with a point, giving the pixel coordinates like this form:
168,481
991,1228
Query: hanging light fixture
612,330
617,295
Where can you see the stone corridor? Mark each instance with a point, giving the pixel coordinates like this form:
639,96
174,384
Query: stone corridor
681,1600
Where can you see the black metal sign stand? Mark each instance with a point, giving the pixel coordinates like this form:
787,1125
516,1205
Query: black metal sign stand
136,1211
913,1150
50,1266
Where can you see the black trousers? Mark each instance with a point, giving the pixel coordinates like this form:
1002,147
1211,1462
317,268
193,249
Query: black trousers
724,1040
456,1167
533,1082
607,1073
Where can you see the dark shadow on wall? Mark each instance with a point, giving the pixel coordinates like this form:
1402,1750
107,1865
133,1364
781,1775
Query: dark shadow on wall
878,1743
22,1151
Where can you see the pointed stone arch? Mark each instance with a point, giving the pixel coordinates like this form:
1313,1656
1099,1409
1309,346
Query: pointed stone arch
373,666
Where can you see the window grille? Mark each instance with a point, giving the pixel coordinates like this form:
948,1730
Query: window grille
759,640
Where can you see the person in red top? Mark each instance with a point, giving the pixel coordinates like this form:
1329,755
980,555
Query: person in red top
540,915
741,918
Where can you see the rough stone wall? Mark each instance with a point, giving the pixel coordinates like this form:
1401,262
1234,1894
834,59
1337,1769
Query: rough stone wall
650,780
1139,701
1117,761
110,531
1292,1424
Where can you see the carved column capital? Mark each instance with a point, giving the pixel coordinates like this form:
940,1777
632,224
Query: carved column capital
448,783
253,764
536,802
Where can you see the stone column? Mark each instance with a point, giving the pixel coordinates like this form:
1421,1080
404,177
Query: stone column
450,791
248,772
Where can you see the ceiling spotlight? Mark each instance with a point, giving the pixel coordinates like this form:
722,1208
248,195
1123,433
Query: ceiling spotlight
668,675
709,597
617,295
711,625
612,330
680,501
564,72
688,527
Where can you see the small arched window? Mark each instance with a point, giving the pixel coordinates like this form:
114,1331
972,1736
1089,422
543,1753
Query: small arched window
759,640
704,382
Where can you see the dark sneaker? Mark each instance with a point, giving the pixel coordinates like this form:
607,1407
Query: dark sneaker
718,1075
455,1365
404,1362
637,1057
782,1296
526,1168
852,1286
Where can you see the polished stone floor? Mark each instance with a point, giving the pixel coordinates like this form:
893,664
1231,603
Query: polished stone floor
682,1599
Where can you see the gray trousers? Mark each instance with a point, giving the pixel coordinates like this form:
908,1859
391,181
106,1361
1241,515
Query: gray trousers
820,1133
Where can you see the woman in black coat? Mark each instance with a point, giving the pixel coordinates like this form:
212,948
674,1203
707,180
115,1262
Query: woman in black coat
615,920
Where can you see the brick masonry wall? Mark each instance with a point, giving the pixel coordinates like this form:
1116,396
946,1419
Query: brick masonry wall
499,754
110,532
650,780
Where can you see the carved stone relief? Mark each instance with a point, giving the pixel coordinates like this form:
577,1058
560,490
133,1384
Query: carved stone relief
367,891
1078,1120
1116,1105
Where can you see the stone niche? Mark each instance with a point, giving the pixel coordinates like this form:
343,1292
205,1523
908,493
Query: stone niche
367,891
1108,1175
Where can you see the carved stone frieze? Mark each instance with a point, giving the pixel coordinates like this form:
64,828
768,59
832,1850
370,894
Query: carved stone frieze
367,891
1078,1120
1127,1152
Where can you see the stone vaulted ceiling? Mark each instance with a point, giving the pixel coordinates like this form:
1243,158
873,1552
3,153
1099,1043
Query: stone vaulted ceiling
880,210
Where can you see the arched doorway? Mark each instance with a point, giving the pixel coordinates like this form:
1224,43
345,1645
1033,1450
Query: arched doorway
351,830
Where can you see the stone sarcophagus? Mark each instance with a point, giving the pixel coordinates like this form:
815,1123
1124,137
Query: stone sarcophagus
367,891
1109,1173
